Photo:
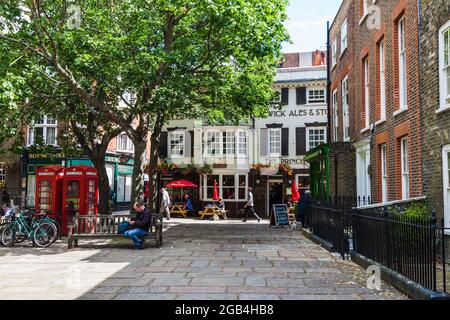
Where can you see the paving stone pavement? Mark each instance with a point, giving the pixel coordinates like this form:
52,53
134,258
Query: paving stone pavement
225,260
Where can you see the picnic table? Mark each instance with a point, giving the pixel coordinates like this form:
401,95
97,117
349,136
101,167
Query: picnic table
291,214
211,211
178,209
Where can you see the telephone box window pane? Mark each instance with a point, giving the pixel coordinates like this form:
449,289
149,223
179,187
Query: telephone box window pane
128,189
73,197
91,197
45,195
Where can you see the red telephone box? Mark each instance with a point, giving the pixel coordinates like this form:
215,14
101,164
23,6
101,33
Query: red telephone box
49,182
80,193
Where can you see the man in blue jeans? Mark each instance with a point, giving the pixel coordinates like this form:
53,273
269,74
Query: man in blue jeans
141,225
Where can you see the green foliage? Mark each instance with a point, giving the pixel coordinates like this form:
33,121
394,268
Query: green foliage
205,169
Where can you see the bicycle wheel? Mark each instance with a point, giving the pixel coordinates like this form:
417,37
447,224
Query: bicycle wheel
44,234
10,234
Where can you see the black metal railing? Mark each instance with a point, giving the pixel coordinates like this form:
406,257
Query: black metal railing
394,235
409,245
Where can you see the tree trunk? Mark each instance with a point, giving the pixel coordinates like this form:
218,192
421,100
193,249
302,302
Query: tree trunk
138,170
98,159
153,182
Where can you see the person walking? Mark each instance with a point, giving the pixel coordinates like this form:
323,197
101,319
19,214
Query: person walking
303,206
165,202
250,206
140,225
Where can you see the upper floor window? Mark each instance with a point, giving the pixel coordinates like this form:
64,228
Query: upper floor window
124,143
405,168
366,92
335,116
43,130
444,63
316,96
363,8
402,64
229,143
344,36
275,142
315,137
333,53
213,143
177,143
242,143
345,109
382,79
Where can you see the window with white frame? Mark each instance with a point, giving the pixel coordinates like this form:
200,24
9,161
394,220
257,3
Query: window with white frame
344,36
333,53
124,143
345,109
384,176
366,92
405,168
43,130
275,142
446,180
402,64
177,142
231,187
315,137
213,143
382,72
316,95
444,63
2,176
364,8
229,143
242,143
335,116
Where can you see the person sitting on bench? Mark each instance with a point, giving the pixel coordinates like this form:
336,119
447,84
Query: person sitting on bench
141,225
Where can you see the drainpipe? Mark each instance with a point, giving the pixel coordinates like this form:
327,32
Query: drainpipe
328,84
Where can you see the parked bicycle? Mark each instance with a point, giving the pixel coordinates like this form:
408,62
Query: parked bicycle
39,229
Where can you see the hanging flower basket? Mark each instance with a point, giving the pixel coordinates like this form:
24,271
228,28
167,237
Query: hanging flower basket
205,170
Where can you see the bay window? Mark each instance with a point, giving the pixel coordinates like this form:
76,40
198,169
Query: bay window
213,143
43,130
242,143
444,66
229,143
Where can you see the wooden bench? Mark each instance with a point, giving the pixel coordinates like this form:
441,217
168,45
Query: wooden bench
106,226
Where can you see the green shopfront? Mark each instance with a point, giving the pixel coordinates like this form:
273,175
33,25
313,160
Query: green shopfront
318,159
119,172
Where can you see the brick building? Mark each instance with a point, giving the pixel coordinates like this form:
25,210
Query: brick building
377,78
435,99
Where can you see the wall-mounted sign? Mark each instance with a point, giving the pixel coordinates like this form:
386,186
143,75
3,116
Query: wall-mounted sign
219,165
305,112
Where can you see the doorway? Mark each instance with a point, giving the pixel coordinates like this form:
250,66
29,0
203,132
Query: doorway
274,194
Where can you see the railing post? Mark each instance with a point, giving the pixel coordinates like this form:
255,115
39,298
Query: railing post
444,281
387,243
433,226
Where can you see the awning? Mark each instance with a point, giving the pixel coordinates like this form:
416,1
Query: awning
181,184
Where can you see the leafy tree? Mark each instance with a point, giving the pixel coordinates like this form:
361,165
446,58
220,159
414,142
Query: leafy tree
210,59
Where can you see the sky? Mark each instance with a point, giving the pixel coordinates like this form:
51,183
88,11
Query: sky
307,23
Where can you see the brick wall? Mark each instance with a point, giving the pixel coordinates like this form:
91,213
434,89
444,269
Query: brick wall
436,126
342,154
363,42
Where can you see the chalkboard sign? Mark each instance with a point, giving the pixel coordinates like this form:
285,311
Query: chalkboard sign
280,215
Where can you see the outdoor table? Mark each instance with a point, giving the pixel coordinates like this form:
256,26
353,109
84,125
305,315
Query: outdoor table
178,209
211,211
291,213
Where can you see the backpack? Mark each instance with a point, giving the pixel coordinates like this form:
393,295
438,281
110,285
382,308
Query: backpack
124,226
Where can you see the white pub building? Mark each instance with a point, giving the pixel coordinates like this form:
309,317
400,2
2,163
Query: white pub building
250,154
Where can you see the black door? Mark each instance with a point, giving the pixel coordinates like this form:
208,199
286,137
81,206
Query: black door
275,194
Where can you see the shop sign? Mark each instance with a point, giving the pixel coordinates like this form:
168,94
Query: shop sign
295,163
271,171
45,155
125,169
312,112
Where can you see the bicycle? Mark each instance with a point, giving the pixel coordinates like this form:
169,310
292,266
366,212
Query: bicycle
25,226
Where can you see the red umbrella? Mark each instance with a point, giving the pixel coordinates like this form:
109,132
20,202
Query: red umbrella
295,193
215,192
179,184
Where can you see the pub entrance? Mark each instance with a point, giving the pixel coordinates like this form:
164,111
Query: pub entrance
274,194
